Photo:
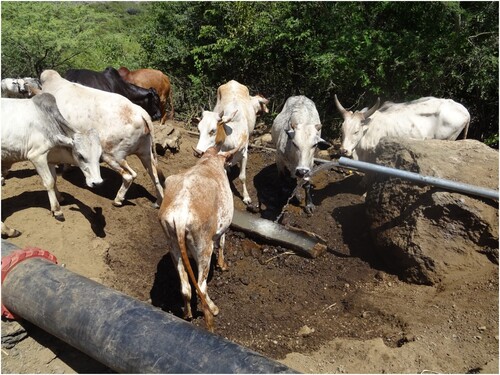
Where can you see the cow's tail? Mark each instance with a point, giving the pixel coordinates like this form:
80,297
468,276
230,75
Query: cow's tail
149,128
181,231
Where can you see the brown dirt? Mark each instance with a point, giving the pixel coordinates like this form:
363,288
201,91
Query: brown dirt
339,313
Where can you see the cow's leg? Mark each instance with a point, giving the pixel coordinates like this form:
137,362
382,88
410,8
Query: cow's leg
9,232
147,160
43,169
309,204
164,116
59,197
220,256
185,286
171,98
243,178
163,110
127,177
203,262
5,169
128,168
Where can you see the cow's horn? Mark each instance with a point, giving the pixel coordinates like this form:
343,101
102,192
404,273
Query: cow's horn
372,110
341,109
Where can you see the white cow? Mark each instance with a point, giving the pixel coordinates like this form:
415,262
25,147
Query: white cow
425,118
13,88
296,132
124,128
34,130
196,211
230,125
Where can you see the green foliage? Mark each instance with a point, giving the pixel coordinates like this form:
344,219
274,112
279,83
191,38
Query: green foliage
397,51
62,35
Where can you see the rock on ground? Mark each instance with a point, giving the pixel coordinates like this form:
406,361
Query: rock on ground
423,232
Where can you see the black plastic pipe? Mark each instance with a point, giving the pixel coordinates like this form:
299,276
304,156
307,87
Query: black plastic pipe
121,332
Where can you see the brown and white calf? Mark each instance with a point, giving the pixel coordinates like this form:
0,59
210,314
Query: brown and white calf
196,211
231,121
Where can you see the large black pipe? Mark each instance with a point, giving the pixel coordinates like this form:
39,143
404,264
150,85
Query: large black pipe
121,332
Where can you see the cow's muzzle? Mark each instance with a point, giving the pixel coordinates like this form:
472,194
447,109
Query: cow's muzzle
301,172
197,152
345,152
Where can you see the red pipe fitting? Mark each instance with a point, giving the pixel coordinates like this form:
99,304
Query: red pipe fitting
16,257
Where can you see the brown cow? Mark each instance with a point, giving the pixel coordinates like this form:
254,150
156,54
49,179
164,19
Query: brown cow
195,213
148,78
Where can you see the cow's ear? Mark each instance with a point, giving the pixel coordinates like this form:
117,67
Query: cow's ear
195,120
62,140
226,119
323,145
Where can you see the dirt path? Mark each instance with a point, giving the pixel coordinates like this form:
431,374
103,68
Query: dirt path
341,313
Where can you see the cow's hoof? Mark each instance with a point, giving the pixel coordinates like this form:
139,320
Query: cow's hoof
253,208
59,216
309,210
214,310
223,267
117,203
15,233
247,201
156,205
11,234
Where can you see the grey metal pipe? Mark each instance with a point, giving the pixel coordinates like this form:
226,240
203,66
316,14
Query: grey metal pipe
121,332
415,177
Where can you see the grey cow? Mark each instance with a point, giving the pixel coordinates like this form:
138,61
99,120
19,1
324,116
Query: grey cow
296,132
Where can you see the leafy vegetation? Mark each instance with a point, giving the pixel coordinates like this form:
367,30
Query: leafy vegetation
397,51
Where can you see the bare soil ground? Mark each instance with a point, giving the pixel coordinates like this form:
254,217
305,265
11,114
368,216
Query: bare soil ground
339,313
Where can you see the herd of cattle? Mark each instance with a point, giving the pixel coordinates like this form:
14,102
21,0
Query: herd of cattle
91,117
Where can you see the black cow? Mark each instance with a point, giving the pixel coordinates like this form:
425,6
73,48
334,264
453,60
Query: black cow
111,81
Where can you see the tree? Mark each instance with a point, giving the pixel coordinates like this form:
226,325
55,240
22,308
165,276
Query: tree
397,51
359,50
45,35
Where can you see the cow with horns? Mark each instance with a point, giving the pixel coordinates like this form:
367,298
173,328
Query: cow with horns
424,118
296,133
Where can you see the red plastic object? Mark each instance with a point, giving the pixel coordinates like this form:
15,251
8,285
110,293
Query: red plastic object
16,257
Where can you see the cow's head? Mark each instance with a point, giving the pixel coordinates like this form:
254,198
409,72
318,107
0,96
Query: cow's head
213,130
259,104
354,126
86,151
87,154
223,158
303,139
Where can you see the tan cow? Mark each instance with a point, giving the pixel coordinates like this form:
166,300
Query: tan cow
196,211
152,78
235,113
